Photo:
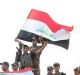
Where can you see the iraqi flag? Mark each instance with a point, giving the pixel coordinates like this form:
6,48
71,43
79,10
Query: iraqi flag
39,23
27,71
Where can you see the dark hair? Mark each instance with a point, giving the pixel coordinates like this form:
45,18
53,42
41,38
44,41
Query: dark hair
6,63
56,64
0,63
76,69
25,46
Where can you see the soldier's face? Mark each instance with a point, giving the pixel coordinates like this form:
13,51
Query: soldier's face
34,42
50,71
4,67
57,68
15,67
26,49
76,73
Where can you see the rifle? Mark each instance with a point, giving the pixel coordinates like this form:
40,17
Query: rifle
18,53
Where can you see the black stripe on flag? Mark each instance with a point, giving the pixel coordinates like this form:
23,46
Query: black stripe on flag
27,36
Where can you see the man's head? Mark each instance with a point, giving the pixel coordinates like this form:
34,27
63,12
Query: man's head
76,71
25,49
34,41
15,66
5,66
49,69
79,69
56,67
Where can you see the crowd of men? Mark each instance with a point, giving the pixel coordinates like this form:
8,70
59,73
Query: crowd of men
5,66
29,57
56,69
50,69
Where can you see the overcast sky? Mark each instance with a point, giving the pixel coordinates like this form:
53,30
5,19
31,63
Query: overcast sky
13,14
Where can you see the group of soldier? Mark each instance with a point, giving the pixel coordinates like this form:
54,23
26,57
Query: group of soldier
55,68
50,69
30,56
27,57
5,66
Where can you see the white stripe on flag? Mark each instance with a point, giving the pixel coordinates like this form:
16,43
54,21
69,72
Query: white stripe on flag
40,28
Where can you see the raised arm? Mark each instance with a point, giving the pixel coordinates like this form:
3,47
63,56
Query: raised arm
20,43
42,47
44,44
19,51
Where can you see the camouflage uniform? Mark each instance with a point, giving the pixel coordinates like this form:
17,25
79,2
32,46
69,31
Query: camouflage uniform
35,60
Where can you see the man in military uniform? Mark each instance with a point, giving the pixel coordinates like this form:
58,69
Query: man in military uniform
26,60
5,66
15,66
76,71
49,70
35,54
19,51
56,67
22,56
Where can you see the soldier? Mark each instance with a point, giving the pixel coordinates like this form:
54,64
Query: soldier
79,70
76,71
35,54
5,66
26,60
57,68
19,52
49,70
15,66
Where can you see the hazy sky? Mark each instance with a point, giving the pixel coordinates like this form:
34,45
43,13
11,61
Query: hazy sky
13,14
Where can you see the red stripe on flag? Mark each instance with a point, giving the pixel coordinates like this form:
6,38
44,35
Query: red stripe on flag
19,71
44,17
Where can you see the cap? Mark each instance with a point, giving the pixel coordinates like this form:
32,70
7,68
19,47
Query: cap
14,64
25,46
49,68
5,63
